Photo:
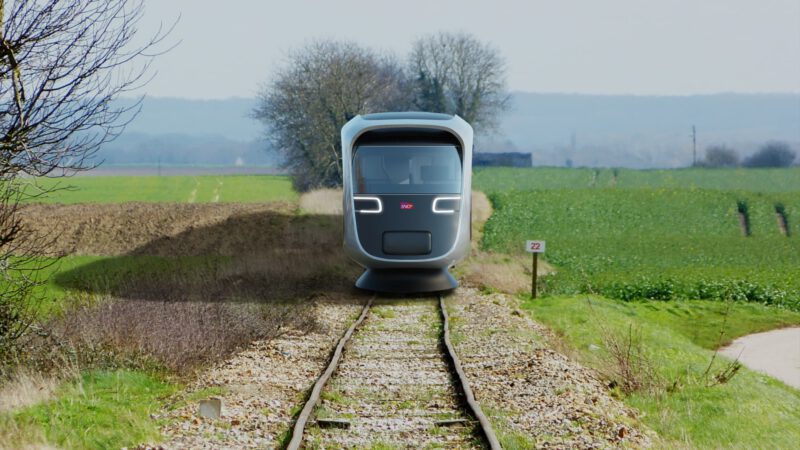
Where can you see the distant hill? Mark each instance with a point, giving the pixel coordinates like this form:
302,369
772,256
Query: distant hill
226,118
641,131
198,132
558,129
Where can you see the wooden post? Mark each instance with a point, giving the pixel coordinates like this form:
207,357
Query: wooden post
534,274
534,247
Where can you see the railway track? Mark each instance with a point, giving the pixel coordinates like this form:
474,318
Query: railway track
394,381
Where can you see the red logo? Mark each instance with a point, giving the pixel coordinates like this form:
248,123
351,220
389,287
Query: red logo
406,205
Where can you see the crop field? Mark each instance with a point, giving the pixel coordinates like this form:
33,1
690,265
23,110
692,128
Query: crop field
655,243
755,180
181,189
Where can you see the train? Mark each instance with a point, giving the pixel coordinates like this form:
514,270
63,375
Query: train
407,209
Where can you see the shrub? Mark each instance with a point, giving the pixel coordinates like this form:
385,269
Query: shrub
772,154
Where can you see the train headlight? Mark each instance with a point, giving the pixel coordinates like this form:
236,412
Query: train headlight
364,204
447,207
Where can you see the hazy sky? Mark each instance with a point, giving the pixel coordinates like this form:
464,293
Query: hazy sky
668,47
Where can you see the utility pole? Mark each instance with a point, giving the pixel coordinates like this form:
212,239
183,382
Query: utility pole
694,146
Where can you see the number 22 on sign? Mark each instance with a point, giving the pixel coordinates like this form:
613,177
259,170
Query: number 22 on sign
534,247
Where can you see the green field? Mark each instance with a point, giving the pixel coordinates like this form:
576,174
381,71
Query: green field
655,243
192,189
755,180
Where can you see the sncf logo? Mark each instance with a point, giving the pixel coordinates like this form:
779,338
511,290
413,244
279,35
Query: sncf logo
406,205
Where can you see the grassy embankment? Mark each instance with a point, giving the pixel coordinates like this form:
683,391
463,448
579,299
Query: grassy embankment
108,407
101,409
672,237
749,411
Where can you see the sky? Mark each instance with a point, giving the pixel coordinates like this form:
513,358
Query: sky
669,47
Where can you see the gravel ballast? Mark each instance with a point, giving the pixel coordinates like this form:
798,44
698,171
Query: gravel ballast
393,386
259,387
534,396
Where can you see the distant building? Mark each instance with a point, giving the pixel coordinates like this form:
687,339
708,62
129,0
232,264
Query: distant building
510,159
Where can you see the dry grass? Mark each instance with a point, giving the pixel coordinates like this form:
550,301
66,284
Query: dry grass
180,336
189,316
322,201
14,436
26,388
187,298
488,271
481,209
628,367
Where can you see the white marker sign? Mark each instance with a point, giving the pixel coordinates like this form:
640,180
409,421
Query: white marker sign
534,246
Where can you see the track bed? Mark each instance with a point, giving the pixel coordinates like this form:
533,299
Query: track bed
394,386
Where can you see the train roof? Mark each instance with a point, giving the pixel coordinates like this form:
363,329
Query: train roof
408,115
405,125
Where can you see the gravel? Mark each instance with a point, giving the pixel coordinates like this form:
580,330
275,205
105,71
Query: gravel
393,385
260,387
534,396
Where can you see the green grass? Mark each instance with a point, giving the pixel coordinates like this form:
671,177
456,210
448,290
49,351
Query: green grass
68,276
701,321
198,189
750,411
102,410
655,243
498,179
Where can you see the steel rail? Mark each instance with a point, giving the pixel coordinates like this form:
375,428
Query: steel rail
313,399
475,408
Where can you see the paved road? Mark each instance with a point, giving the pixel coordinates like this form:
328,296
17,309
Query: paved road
775,353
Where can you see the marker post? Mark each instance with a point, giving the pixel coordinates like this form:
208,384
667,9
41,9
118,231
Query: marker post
534,247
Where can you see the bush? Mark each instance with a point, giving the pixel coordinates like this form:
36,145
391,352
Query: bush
772,154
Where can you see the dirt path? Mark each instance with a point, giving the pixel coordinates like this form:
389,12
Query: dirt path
776,353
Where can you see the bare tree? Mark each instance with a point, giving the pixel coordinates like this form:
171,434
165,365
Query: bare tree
455,73
62,63
772,154
320,88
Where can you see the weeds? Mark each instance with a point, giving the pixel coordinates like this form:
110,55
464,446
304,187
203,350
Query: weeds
630,369
178,336
730,369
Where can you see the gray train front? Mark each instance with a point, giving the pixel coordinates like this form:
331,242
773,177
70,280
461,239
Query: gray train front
407,204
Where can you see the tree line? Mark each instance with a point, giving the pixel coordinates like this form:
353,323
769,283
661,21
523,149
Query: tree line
770,154
324,84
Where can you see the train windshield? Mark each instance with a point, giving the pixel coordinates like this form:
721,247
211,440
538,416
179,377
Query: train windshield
434,169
